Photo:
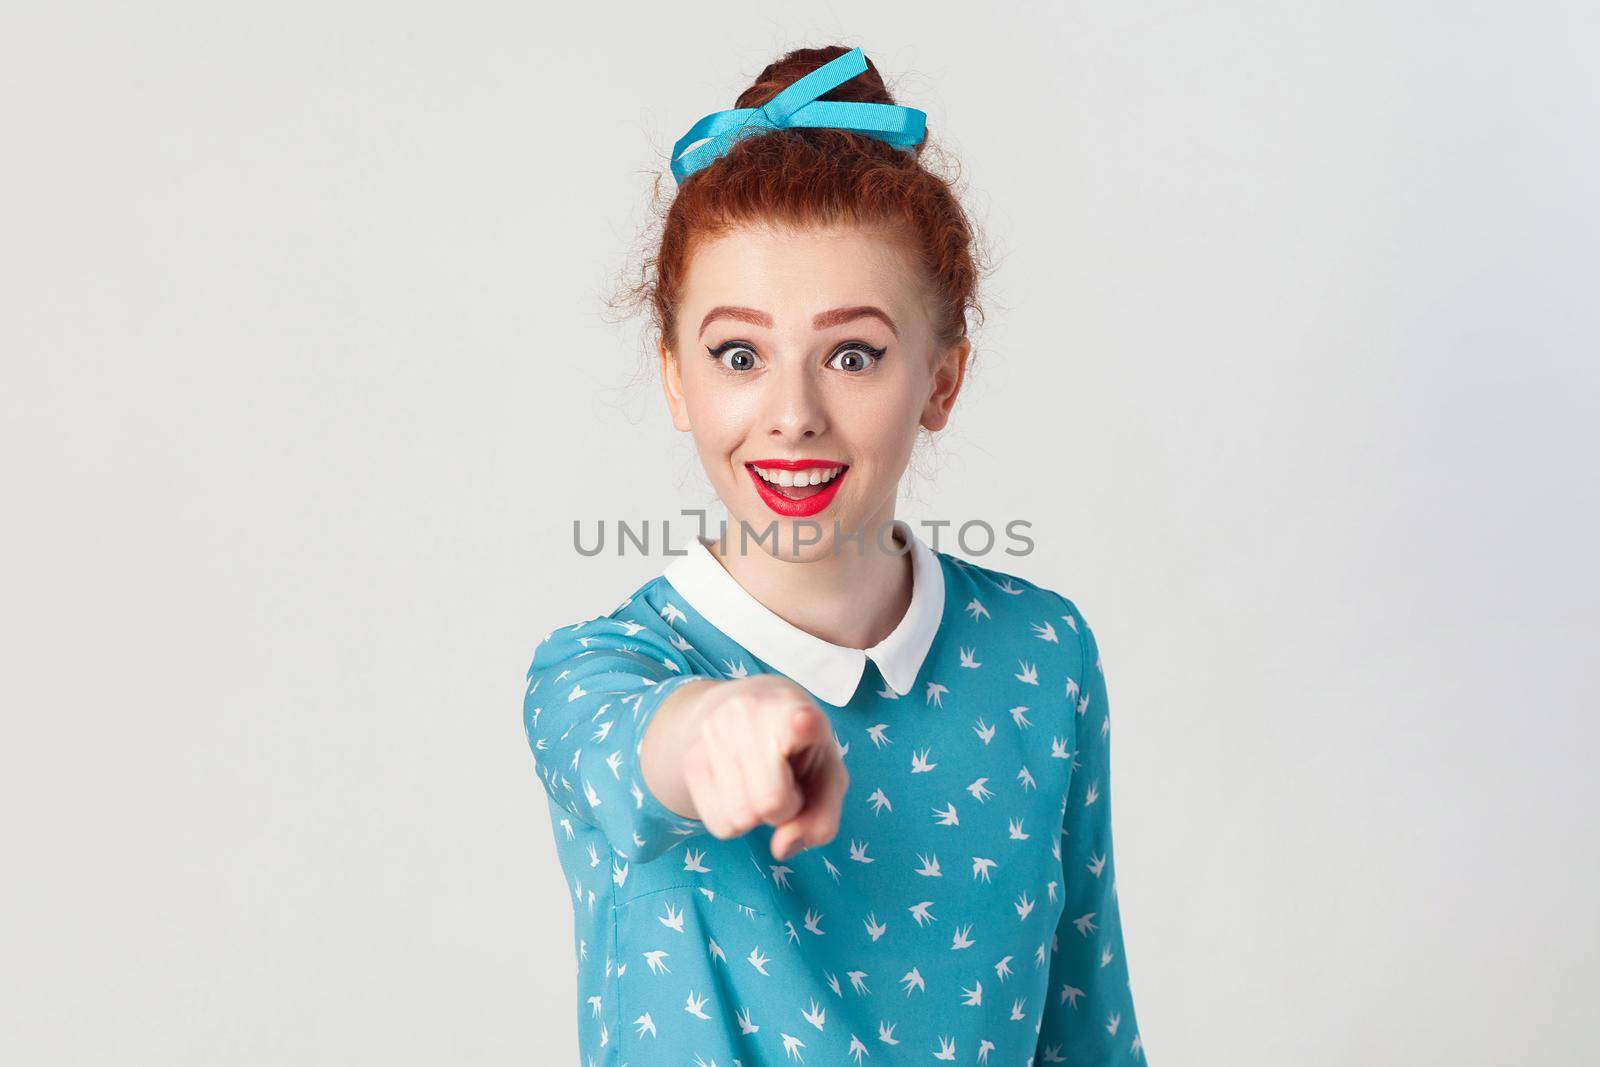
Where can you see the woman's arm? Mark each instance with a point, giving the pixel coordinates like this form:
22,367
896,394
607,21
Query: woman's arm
592,692
1088,1012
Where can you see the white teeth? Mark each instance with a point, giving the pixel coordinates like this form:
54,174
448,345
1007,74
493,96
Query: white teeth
814,476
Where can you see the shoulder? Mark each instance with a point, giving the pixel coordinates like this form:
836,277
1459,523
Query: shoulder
988,592
642,624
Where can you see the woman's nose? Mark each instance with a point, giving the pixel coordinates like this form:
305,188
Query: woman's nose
794,405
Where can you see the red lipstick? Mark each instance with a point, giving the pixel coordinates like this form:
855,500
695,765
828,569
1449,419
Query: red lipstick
787,506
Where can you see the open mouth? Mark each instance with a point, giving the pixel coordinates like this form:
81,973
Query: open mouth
802,487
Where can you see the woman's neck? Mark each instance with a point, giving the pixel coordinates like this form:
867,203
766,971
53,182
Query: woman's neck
848,597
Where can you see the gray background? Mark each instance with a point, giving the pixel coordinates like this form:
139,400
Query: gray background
1290,362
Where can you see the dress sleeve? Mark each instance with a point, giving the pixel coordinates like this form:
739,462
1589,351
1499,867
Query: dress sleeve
592,690
1088,1013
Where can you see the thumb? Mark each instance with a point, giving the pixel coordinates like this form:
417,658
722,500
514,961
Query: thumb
817,821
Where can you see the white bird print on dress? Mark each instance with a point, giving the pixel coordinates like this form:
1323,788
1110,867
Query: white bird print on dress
1096,864
1045,632
936,694
1002,970
1017,833
696,1006
745,1025
984,1048
1070,993
693,861
1016,1009
947,816
672,613
813,920
679,642
886,1033
974,995
780,874
1019,715
913,980
929,868
977,610
1058,748
1029,674
879,801
619,874
981,867
646,1025
856,982
984,731
919,762
857,1049
961,939
858,852
758,961
1008,586
714,951
656,959
792,1044
877,735
816,1015
738,670
672,920
1085,923
980,792
969,659
1025,776
947,1048
875,929
1024,906
921,912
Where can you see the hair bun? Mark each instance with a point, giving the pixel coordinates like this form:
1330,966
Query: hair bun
865,88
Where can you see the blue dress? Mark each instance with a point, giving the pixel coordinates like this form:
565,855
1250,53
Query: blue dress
965,912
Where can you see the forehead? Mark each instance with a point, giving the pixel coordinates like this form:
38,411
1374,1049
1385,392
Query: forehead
794,273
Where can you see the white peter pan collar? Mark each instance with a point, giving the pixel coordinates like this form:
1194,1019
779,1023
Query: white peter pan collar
830,671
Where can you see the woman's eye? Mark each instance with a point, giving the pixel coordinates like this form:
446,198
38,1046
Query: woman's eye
734,356
859,357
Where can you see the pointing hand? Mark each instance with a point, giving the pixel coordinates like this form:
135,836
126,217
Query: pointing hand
764,753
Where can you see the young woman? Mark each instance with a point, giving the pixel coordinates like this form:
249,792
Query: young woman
828,796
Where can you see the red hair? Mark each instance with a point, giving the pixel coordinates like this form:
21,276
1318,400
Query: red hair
802,177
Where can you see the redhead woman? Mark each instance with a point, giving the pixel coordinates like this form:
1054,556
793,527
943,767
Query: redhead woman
823,793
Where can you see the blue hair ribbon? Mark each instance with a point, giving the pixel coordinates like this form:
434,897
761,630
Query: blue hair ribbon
797,106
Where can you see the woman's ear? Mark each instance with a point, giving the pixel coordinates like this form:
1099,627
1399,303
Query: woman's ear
672,386
947,378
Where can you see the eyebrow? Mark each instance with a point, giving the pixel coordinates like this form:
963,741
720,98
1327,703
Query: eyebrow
821,321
